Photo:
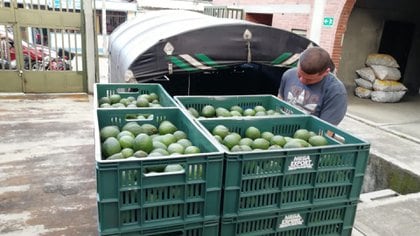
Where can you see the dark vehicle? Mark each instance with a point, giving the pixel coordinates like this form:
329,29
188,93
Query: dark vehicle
209,55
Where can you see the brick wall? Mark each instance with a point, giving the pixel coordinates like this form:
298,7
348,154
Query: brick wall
331,38
259,2
336,47
291,21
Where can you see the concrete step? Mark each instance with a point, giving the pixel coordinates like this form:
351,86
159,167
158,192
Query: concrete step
384,214
378,195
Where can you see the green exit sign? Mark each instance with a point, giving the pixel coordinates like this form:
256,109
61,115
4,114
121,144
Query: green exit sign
328,21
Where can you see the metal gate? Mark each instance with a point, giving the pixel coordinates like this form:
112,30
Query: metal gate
42,46
224,12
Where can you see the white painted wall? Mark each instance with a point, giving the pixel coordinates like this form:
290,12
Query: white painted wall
173,4
90,45
275,8
317,18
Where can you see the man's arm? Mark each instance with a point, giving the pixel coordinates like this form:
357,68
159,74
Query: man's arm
281,89
287,74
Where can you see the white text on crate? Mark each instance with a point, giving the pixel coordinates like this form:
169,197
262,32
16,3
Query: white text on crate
301,162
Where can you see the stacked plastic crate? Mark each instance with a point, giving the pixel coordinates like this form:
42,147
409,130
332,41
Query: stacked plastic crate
289,191
132,199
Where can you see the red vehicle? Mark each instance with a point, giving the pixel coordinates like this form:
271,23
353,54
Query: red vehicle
36,56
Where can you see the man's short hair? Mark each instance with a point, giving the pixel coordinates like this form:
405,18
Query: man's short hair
314,60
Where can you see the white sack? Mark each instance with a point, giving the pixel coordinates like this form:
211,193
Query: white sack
363,83
381,59
366,73
362,92
386,73
381,96
388,86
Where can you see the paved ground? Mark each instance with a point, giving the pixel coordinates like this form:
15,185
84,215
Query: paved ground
396,216
401,118
393,130
47,167
394,133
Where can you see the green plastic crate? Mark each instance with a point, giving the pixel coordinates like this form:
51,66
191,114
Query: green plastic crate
129,199
203,228
244,101
335,219
271,180
133,89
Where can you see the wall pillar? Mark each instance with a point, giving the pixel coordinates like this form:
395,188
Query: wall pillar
89,45
340,29
316,23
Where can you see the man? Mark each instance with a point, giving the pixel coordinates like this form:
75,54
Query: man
4,47
4,51
312,87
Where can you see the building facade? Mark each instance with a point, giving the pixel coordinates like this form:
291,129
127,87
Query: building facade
349,30
111,14
321,21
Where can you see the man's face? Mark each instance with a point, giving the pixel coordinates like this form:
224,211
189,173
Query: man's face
308,79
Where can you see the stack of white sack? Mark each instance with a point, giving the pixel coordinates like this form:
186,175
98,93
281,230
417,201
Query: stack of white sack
379,80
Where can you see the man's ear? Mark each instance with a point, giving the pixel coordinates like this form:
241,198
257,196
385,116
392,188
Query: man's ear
326,72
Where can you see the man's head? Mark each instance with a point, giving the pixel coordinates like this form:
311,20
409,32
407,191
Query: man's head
314,65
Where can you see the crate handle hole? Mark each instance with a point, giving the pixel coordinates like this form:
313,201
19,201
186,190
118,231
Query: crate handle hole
338,138
153,174
128,90
139,117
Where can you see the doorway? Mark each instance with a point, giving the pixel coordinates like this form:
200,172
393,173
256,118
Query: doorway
396,41
265,19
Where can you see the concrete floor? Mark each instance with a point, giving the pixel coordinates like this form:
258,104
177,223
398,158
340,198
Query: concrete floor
401,118
47,166
393,216
393,130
